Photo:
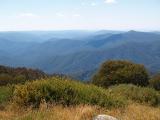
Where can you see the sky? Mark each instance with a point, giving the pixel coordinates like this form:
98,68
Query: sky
21,15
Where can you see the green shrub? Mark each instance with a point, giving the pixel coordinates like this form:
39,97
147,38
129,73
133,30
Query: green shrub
5,79
155,82
138,94
64,92
5,94
120,72
9,76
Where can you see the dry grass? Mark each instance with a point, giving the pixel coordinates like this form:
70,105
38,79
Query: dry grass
136,112
82,112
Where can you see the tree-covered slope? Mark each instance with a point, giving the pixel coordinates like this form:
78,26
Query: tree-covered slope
82,55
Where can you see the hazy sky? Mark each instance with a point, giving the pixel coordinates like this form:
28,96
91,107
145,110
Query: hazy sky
79,14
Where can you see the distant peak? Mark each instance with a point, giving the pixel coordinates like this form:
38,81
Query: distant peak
132,31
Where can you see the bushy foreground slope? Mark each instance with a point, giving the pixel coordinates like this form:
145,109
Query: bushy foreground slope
5,94
63,91
66,92
72,100
134,93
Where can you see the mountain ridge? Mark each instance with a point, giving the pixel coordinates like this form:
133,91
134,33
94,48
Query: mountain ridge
71,56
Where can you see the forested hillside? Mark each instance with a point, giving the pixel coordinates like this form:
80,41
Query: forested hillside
66,53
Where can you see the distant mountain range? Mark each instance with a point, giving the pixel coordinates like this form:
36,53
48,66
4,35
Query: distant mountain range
78,53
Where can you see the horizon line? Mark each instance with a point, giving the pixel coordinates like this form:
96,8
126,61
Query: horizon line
52,30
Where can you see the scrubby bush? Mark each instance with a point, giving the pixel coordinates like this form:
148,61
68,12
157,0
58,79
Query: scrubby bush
64,92
138,94
5,79
9,75
120,72
5,94
155,82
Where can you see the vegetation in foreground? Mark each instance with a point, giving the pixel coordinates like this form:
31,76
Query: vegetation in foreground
155,81
122,101
9,75
5,94
64,91
143,95
125,92
82,112
121,72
